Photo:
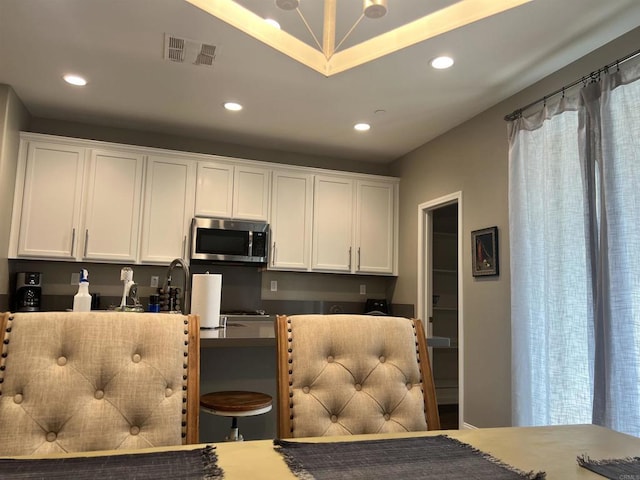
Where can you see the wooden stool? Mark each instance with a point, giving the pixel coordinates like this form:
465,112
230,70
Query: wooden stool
235,404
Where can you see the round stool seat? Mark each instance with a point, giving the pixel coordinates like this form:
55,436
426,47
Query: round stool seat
235,403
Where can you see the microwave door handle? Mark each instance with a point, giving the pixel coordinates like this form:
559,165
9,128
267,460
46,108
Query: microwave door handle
250,243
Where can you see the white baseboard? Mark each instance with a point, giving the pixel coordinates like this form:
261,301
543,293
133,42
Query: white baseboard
468,426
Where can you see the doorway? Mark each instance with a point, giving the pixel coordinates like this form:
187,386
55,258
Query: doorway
440,299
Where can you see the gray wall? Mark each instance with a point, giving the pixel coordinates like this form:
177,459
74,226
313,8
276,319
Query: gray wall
473,158
13,118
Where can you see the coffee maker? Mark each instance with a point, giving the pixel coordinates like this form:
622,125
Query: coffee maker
28,291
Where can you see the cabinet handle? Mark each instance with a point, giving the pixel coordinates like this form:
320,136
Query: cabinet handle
73,241
86,242
358,258
273,256
349,258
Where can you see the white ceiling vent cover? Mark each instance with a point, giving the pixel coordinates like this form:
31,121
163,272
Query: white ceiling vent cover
183,50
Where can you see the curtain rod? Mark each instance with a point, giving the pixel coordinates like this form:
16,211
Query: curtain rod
593,76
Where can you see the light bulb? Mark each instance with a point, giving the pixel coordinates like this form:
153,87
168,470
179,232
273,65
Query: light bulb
76,80
442,62
233,106
287,4
374,8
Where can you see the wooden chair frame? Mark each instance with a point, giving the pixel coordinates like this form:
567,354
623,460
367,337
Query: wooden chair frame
192,431
193,381
284,411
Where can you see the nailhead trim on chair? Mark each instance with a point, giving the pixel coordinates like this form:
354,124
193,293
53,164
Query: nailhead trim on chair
3,357
289,340
184,380
415,333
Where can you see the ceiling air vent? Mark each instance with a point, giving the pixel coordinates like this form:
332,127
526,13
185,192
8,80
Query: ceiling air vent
182,50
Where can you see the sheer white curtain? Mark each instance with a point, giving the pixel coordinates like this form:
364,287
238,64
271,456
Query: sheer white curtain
574,222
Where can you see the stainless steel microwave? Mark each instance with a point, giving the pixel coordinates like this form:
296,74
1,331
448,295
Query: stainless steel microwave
222,240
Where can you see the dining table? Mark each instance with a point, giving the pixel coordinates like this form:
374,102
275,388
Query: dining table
553,450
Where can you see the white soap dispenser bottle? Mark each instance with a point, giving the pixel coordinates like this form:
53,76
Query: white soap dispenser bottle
82,299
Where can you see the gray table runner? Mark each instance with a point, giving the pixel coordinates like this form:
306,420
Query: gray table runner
198,464
614,469
419,458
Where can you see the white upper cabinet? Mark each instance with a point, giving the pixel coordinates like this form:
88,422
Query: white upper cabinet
114,193
291,220
48,200
251,193
354,228
169,195
232,191
83,200
76,202
214,190
333,224
375,227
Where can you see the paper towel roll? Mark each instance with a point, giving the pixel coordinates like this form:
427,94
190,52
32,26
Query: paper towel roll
205,298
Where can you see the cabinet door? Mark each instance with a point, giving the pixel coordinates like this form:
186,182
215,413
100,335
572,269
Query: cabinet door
168,208
112,218
51,200
214,190
375,228
251,193
332,224
291,217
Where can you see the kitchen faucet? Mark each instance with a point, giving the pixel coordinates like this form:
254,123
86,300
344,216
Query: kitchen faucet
186,285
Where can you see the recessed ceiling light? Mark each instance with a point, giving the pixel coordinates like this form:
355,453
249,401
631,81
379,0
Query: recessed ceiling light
233,106
441,62
76,80
272,22
362,127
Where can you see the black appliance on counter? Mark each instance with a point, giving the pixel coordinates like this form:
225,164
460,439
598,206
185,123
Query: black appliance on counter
376,307
28,291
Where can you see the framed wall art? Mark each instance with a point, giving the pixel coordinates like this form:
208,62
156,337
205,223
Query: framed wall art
484,245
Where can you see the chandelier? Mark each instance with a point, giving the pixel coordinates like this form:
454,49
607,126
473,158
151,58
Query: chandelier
326,58
370,9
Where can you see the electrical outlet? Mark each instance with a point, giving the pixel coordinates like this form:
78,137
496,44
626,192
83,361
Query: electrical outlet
154,281
363,289
75,278
274,285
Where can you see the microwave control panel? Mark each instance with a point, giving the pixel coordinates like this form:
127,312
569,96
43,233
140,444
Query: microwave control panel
259,248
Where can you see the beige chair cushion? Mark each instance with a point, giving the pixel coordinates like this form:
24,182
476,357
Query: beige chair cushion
351,374
92,381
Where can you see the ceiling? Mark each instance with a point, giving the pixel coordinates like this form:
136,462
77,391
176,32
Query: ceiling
119,46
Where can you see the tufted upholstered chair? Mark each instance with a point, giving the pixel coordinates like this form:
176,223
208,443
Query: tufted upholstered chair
353,374
73,382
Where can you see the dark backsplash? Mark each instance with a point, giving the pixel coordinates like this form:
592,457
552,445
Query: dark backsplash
241,288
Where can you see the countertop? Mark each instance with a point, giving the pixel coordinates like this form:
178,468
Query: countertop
260,333
249,333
